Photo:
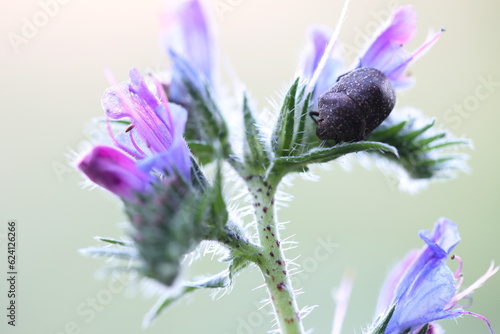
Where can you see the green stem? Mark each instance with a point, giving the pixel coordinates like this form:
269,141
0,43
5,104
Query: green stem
272,262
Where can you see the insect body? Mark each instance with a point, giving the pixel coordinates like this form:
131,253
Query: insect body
355,105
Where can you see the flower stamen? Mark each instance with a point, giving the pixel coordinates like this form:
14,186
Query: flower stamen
458,272
490,272
482,318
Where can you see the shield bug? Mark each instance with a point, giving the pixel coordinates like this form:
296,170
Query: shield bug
358,102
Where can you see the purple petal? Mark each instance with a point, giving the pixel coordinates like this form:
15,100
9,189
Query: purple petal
149,115
388,289
401,29
177,157
422,283
112,101
175,160
444,237
386,53
136,147
187,31
114,171
139,87
318,40
425,300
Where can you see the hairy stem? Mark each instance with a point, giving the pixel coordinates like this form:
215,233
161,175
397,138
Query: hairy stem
272,262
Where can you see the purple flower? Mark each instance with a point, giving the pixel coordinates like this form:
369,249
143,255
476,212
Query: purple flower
186,31
318,40
386,52
154,138
422,287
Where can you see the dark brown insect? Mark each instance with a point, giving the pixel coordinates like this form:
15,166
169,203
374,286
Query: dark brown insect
355,105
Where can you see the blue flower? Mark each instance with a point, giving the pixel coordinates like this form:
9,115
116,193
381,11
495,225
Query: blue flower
422,287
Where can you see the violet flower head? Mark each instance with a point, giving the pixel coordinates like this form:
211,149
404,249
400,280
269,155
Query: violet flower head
422,287
386,53
154,138
157,126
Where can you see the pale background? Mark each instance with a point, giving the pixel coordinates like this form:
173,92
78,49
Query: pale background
52,87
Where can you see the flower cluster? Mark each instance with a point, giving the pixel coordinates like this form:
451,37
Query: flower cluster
154,137
165,132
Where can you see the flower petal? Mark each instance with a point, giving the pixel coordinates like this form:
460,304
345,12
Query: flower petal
114,171
386,53
187,31
425,300
444,237
386,295
442,240
319,38
426,284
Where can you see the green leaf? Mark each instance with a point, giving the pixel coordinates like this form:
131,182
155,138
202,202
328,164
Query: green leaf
284,128
424,329
114,241
218,210
202,151
239,263
381,325
221,280
411,135
383,133
284,165
205,123
115,121
254,152
198,178
421,148
210,124
127,254
301,128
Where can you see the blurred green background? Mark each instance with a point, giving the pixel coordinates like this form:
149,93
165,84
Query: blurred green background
51,88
